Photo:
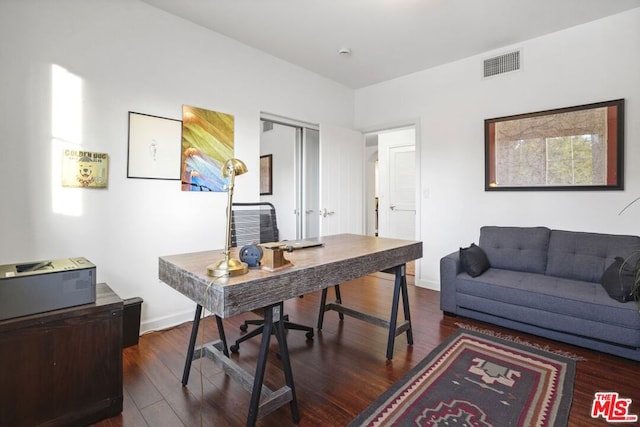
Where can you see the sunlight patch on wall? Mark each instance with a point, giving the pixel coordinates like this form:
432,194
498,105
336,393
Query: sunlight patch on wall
66,132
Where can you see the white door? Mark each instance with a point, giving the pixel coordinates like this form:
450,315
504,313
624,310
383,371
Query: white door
341,180
310,182
397,184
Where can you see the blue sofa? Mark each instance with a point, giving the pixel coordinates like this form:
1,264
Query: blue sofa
548,283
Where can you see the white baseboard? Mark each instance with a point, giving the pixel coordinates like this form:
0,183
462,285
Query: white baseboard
166,322
435,286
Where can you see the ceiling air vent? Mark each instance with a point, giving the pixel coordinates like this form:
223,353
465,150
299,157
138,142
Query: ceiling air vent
502,64
267,126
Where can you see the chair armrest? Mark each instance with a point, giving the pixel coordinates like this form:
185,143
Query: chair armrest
450,267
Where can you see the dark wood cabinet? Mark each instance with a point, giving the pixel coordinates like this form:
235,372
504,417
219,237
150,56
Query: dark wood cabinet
64,367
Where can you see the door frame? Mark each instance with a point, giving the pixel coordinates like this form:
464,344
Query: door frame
415,123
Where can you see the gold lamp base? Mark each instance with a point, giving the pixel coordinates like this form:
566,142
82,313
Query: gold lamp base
227,267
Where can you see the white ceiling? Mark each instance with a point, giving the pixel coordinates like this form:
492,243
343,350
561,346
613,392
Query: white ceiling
388,38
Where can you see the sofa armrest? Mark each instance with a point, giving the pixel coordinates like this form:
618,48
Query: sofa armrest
450,267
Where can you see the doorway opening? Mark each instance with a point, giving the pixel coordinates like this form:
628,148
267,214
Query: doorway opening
391,182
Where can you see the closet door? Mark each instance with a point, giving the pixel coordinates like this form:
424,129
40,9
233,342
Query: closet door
341,180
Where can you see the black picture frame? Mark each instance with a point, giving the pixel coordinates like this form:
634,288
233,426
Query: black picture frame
153,150
572,149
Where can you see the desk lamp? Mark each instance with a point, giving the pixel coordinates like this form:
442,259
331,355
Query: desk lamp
228,266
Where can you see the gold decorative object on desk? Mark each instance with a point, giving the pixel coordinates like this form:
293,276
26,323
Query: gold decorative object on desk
228,266
273,256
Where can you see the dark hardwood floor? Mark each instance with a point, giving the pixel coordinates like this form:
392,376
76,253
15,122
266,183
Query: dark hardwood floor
337,375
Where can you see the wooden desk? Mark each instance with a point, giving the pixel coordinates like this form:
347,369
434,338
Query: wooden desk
342,258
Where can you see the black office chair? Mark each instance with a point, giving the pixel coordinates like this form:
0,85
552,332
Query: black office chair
253,223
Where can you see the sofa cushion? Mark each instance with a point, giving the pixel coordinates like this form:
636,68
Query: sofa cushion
572,299
585,256
618,280
516,248
474,261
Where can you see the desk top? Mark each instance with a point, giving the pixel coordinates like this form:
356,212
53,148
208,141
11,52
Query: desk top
342,257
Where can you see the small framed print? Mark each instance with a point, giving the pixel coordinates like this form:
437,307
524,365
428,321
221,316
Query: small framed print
154,147
85,169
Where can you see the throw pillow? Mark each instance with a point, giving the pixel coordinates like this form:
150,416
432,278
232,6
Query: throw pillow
474,260
618,283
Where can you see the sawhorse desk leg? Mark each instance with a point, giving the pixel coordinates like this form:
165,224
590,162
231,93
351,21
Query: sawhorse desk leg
395,328
399,289
273,317
263,400
323,304
193,339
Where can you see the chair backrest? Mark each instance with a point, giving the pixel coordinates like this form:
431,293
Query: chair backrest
253,223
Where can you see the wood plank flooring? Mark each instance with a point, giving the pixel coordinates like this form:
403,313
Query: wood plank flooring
337,374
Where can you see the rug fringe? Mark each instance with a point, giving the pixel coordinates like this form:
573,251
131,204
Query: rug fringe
518,340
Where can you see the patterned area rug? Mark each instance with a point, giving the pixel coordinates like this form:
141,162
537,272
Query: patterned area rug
473,379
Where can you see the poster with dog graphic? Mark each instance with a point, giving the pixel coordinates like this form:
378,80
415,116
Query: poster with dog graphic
84,169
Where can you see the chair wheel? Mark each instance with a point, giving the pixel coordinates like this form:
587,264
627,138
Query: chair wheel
309,335
234,348
244,327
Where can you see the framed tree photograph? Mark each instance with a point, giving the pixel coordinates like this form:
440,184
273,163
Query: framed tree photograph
266,175
574,148
154,147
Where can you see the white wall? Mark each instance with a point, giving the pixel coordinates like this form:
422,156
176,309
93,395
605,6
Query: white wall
594,62
129,56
